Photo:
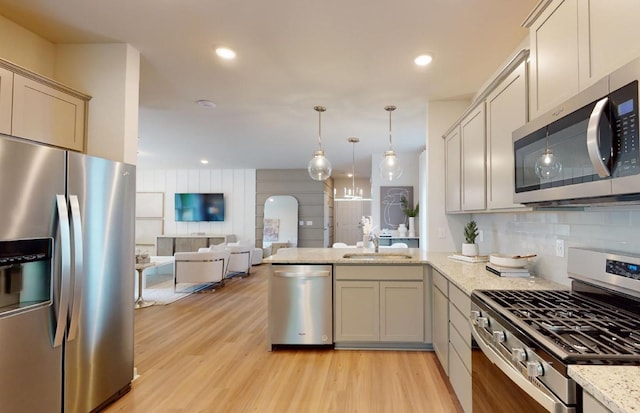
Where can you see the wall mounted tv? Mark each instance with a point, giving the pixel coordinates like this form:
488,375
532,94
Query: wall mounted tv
199,207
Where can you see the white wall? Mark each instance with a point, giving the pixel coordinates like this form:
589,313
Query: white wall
110,73
26,49
443,232
238,186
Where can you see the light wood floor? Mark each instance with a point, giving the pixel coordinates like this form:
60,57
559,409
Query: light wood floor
209,353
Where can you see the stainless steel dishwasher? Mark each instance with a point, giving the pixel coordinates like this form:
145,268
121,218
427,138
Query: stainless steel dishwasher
301,305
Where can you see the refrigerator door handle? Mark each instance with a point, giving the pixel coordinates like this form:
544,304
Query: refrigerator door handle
65,273
78,267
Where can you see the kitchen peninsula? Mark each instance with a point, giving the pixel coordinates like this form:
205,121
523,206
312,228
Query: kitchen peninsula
447,285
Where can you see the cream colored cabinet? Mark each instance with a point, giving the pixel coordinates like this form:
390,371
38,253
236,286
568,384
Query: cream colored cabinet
48,115
453,183
6,98
608,33
554,56
591,405
506,111
378,303
441,319
357,311
460,346
472,136
452,336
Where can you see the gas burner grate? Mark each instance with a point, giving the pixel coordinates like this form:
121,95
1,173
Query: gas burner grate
580,326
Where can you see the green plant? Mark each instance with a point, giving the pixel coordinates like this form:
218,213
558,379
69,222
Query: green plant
470,232
408,211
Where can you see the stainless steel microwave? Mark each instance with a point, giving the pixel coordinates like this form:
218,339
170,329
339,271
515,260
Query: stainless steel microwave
585,151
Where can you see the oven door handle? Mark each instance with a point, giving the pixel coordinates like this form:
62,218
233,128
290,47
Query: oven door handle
593,139
547,401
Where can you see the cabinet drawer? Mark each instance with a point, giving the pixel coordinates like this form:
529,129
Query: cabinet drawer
461,346
460,380
379,272
460,300
460,323
441,283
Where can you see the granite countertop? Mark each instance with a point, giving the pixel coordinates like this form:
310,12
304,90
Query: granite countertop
464,275
616,387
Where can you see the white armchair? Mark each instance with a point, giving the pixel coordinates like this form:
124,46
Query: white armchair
207,266
240,259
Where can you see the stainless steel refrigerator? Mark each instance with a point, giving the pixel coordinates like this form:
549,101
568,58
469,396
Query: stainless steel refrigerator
66,279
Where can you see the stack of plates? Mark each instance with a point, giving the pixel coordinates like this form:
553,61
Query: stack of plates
508,265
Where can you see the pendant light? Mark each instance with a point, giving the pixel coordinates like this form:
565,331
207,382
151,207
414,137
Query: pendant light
319,166
354,193
547,166
390,168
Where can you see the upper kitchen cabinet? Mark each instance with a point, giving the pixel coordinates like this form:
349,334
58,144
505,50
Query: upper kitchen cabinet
608,33
506,111
472,136
6,96
41,109
553,34
453,182
574,43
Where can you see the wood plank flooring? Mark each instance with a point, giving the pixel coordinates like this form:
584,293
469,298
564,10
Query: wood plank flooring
209,353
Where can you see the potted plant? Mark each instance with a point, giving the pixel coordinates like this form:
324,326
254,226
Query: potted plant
411,213
470,248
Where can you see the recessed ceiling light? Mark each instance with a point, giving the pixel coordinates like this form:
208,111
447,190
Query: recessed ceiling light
204,161
225,53
423,60
206,103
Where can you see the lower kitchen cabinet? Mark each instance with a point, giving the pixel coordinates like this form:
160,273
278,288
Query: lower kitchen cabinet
452,336
440,298
379,303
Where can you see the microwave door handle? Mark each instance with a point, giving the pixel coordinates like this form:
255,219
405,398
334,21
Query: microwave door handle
593,139
78,268
65,271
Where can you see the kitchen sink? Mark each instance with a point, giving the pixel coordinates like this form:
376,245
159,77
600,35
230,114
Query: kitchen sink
376,256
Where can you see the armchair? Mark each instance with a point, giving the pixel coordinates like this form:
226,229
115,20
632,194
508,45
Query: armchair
207,266
240,259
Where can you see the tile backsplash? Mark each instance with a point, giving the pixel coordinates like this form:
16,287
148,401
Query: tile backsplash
610,228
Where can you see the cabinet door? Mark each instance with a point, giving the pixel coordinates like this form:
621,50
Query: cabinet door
472,134
357,310
44,114
401,311
606,32
441,327
554,56
6,98
506,111
453,183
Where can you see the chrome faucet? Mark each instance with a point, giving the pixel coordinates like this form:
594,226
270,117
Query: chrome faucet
376,241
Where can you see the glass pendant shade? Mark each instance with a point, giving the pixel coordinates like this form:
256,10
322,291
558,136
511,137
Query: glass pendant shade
548,166
319,166
390,168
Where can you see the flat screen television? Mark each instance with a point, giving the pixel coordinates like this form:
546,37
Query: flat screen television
199,207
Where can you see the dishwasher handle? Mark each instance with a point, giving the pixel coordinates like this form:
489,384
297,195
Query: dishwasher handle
301,273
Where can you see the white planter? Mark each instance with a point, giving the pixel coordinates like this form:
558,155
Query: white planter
412,226
470,250
402,230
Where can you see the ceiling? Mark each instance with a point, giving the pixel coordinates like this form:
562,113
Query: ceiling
354,57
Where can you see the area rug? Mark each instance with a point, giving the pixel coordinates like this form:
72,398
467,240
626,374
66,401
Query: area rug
163,293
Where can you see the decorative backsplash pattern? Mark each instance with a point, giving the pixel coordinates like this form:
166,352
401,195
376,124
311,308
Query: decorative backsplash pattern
610,228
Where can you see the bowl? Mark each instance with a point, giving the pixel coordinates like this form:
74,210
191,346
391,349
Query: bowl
510,261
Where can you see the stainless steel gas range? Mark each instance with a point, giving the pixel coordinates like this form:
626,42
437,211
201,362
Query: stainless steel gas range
528,338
